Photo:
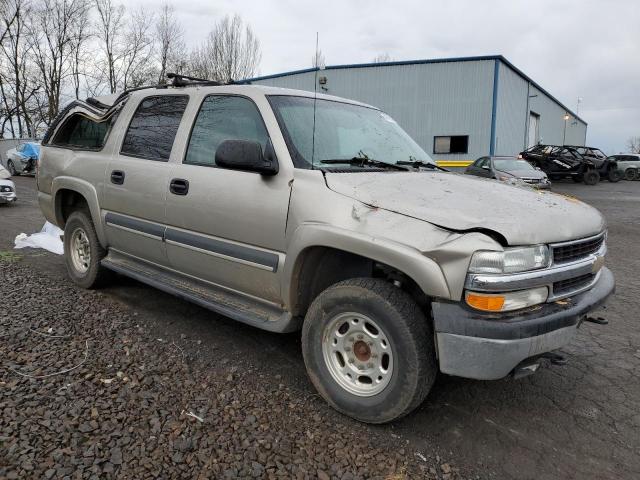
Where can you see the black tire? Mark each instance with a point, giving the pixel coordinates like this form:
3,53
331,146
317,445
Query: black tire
12,169
410,339
591,177
95,274
614,175
631,174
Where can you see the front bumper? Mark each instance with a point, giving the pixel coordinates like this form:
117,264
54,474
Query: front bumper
484,346
8,197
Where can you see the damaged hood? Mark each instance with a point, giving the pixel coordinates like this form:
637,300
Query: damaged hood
523,216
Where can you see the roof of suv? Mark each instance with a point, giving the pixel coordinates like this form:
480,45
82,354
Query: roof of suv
237,89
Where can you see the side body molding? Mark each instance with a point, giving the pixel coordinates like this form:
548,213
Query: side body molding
424,271
88,191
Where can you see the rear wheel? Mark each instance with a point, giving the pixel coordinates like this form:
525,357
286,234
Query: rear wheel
83,252
631,174
12,169
591,177
369,350
614,175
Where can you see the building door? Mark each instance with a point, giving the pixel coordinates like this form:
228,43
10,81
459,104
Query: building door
534,129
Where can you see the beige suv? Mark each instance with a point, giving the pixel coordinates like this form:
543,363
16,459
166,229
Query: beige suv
287,210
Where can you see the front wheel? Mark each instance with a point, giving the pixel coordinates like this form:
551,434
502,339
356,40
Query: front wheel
591,177
614,175
369,350
631,174
83,252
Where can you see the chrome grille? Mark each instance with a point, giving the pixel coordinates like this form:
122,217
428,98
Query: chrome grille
572,284
577,250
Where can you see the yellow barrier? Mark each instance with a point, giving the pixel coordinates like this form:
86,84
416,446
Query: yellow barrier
454,163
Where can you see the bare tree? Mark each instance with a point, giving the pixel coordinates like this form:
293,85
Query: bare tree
382,58
54,35
633,145
317,61
170,38
127,46
108,27
16,83
230,52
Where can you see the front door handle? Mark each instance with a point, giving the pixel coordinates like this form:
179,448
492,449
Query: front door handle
179,186
117,177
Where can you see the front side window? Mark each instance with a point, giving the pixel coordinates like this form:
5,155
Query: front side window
223,118
82,133
343,131
154,126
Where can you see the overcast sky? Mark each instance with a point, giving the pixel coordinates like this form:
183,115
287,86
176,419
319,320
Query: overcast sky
573,48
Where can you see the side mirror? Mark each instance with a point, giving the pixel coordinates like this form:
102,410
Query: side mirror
247,155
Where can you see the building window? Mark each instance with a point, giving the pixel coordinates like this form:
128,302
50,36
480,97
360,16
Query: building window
451,144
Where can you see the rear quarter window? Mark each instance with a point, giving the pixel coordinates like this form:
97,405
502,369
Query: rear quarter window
82,133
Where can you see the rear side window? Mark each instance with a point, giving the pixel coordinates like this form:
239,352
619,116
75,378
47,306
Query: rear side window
81,132
223,118
153,127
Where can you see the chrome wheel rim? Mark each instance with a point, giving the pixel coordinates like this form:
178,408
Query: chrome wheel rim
80,250
358,354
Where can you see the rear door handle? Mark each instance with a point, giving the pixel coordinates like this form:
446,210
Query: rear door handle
179,186
117,177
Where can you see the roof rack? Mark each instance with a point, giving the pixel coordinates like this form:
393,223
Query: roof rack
179,80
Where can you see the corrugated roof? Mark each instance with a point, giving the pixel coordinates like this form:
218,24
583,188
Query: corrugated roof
421,62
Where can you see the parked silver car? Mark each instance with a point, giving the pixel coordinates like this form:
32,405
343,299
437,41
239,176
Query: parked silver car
23,159
7,187
288,211
629,164
509,169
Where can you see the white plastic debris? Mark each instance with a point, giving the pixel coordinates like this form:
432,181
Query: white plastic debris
48,238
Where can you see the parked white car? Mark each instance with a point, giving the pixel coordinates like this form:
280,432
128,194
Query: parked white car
7,187
628,164
23,159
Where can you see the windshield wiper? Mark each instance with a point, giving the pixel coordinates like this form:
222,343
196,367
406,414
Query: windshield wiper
418,164
363,162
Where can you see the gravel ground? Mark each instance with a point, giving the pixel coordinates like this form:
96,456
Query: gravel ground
154,363
87,392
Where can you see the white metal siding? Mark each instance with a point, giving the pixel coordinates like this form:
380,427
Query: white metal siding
427,100
552,121
511,112
449,98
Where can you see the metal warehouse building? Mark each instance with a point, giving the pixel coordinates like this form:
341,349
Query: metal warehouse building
457,109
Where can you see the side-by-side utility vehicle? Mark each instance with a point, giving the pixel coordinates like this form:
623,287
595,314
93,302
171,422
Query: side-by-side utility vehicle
291,211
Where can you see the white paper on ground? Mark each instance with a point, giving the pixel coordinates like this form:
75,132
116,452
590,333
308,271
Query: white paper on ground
48,238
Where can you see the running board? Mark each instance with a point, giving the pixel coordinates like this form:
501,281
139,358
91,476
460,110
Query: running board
232,305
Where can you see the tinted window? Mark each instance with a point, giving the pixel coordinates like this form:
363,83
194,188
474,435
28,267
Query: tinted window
223,118
153,127
80,132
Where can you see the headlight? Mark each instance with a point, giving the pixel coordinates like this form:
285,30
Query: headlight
511,260
5,189
504,302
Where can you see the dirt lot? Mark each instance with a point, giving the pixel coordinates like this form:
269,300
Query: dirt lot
165,389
